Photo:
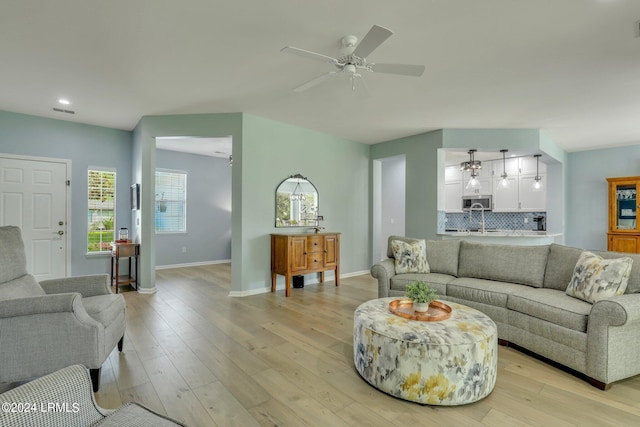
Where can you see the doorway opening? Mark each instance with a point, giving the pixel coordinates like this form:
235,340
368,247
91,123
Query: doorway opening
389,202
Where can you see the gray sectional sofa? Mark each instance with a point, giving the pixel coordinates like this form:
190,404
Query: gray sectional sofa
522,288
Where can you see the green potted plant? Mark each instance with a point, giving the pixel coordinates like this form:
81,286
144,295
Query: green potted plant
162,204
421,294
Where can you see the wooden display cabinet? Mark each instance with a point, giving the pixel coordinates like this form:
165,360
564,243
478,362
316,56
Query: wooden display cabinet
624,231
297,254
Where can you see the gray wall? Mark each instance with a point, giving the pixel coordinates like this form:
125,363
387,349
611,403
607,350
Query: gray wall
421,151
85,146
392,200
264,153
587,219
208,236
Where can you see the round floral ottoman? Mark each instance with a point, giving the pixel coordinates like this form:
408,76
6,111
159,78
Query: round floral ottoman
448,362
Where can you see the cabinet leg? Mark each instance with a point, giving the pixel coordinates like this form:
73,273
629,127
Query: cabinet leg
337,276
273,282
287,284
322,277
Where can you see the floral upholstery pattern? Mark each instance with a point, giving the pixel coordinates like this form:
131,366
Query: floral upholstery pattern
451,362
410,257
595,278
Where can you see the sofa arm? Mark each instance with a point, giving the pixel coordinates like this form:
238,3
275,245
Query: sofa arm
39,335
616,311
87,286
384,271
613,338
43,304
69,386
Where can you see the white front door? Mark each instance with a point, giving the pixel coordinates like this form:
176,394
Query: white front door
33,196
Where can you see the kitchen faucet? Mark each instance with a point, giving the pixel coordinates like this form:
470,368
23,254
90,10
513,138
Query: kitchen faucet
481,215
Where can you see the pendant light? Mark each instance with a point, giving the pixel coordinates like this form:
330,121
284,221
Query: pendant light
473,181
472,166
537,181
504,182
298,193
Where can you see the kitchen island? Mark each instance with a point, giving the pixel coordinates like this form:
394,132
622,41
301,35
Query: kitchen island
505,237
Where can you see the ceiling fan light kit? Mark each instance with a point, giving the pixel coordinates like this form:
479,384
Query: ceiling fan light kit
353,58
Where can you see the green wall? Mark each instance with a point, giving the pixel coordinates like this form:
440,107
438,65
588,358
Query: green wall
421,210
264,153
337,167
144,163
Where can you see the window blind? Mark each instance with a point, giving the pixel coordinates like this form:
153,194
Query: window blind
101,210
171,201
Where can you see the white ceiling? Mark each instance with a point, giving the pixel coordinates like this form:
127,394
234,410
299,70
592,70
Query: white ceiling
570,67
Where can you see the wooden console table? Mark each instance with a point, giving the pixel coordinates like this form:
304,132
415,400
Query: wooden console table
124,250
296,254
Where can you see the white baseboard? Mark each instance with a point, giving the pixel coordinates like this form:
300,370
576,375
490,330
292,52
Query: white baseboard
354,274
281,286
147,291
192,264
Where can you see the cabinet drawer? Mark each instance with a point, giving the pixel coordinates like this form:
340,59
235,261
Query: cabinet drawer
315,244
315,260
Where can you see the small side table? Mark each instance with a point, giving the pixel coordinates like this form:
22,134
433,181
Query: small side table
124,250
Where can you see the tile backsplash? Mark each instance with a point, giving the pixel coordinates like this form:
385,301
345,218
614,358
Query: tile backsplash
499,220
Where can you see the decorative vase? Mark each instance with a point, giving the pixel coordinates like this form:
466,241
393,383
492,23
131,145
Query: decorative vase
421,307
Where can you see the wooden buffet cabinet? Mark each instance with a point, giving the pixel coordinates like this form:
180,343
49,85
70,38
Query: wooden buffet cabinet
624,231
297,254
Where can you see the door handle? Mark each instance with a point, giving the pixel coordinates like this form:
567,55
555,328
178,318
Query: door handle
59,232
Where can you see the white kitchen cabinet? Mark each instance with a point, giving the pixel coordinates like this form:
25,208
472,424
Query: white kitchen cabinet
485,184
530,199
511,166
452,173
528,166
453,196
505,199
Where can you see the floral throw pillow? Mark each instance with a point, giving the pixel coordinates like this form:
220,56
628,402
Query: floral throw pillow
595,278
410,257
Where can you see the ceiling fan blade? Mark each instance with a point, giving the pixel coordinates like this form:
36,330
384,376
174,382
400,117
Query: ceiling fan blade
308,54
315,81
401,69
374,38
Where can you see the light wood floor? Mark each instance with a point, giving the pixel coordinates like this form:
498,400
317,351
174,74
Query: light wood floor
196,354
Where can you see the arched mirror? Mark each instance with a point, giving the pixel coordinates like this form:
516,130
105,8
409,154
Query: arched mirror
296,203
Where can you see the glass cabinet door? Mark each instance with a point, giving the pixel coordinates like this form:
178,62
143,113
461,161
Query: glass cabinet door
625,206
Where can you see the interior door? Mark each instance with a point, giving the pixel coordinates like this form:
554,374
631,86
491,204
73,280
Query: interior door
33,196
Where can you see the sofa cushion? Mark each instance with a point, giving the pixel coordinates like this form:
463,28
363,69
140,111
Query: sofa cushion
442,256
400,238
104,308
437,281
505,263
13,258
22,287
560,264
410,257
633,286
481,290
595,278
551,305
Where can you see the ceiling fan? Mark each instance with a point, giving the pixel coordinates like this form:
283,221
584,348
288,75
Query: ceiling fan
353,59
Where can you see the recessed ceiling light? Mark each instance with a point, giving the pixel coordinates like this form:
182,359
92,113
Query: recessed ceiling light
63,101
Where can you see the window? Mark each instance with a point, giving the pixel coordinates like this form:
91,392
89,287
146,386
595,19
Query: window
101,210
171,201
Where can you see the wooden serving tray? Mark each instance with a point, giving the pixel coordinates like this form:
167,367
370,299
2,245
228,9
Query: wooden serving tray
404,308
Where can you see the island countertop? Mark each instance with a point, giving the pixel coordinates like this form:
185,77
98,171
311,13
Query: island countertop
507,237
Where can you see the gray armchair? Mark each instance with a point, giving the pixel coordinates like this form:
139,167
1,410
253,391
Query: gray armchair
64,399
49,325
